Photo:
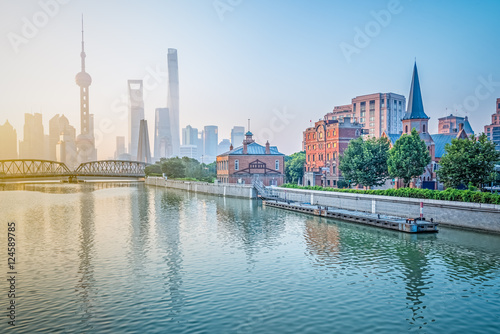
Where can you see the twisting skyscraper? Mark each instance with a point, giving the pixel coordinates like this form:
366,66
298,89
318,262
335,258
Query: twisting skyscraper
173,99
86,140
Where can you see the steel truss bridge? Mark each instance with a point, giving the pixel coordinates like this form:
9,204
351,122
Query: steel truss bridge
34,168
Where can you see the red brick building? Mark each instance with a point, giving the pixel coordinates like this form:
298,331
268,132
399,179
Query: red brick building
324,143
493,130
250,162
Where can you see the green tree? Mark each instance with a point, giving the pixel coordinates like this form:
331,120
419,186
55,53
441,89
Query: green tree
294,166
174,168
408,157
468,161
154,169
364,162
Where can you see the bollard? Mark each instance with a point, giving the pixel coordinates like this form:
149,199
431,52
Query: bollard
421,210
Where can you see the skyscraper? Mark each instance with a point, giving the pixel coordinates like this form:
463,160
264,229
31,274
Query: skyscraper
237,135
190,136
32,146
59,125
120,147
173,99
163,136
210,141
8,140
143,151
86,140
136,104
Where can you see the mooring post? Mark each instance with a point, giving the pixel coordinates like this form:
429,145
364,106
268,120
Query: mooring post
421,210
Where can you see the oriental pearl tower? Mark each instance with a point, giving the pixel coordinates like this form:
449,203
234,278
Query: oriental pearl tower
85,141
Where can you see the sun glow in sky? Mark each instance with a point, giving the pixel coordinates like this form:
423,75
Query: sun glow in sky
279,63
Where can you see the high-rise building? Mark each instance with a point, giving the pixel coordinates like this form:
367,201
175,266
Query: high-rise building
190,151
66,151
120,147
453,124
143,150
136,114
8,141
376,112
224,146
32,146
237,135
162,136
59,125
190,136
493,130
85,141
173,99
210,141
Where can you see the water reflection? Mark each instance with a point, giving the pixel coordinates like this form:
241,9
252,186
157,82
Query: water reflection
85,286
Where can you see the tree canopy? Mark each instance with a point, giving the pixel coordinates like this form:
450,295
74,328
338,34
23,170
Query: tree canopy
408,157
294,166
364,162
468,161
185,167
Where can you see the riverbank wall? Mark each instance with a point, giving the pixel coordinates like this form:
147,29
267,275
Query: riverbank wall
475,216
231,190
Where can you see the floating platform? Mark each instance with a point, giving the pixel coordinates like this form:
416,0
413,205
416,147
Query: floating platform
408,225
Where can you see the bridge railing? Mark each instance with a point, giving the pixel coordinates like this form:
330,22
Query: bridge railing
33,168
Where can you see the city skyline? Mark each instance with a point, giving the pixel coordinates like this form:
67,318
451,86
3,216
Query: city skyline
232,68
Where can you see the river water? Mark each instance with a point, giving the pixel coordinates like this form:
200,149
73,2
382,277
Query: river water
129,258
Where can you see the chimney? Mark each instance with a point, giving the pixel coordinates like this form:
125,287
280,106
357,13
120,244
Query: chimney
231,147
245,151
268,149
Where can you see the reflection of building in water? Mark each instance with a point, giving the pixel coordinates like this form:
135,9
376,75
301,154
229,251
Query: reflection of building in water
169,205
322,240
85,286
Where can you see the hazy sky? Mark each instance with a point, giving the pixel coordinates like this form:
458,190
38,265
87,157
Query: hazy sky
280,63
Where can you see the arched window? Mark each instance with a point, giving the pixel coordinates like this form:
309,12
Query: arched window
236,164
277,165
406,129
423,127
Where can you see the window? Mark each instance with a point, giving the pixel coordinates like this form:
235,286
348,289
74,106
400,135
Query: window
382,103
363,114
354,107
320,135
372,125
277,165
236,164
423,127
372,105
372,119
406,129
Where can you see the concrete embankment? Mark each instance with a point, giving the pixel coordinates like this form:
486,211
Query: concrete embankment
232,190
474,216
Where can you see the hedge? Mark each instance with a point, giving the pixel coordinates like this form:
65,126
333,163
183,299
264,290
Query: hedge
445,195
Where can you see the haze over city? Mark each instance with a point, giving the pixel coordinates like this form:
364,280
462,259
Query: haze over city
281,64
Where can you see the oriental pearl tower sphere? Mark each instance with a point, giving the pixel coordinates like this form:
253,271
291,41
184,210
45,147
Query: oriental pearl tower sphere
85,141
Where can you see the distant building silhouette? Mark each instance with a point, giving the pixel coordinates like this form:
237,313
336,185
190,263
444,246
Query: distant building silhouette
173,99
8,140
32,146
237,135
162,135
143,150
62,144
223,146
210,141
190,136
85,141
136,114
190,151
120,147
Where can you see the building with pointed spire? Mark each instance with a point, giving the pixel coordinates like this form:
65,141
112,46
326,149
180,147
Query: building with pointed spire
85,140
416,118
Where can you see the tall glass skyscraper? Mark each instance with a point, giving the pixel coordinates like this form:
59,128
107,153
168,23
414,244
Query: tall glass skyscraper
163,134
173,99
136,104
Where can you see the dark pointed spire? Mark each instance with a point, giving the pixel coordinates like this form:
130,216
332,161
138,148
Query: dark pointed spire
415,104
